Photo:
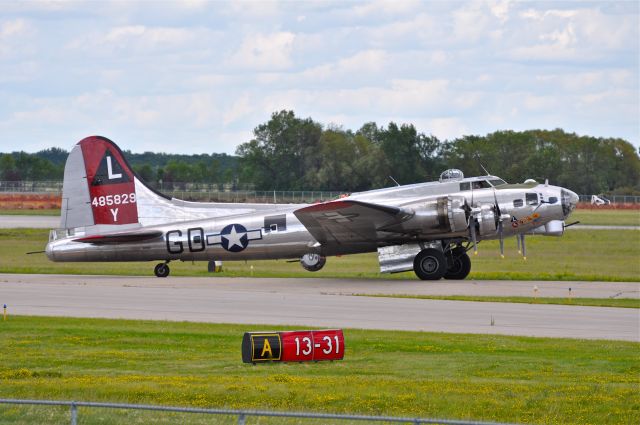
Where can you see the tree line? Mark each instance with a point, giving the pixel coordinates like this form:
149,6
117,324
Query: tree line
154,168
288,152
292,153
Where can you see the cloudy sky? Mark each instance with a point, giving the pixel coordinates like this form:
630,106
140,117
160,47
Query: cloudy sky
198,76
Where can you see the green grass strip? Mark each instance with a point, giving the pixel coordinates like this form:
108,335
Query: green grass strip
458,376
18,211
591,302
588,255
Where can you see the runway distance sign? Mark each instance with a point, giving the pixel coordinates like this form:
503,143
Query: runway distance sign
293,346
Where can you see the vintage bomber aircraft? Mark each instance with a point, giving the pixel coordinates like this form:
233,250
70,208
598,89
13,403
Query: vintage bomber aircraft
109,214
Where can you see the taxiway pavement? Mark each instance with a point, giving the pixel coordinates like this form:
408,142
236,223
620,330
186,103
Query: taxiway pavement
326,303
29,221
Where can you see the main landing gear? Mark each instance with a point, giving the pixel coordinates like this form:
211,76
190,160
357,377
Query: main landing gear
433,264
162,269
458,264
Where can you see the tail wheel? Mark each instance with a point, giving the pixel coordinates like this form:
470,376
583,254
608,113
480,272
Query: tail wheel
458,264
161,270
430,264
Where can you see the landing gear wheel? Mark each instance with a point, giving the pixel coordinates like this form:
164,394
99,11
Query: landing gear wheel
458,264
161,270
430,264
313,262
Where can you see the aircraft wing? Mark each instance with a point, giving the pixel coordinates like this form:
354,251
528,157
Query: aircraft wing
348,221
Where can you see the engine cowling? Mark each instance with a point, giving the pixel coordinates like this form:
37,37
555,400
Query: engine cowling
487,220
442,215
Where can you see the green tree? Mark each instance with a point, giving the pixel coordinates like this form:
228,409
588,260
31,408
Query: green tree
146,173
281,152
8,170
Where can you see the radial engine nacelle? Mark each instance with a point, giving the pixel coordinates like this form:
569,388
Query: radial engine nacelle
441,215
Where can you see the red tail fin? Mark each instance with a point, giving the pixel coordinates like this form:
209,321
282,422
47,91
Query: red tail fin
111,182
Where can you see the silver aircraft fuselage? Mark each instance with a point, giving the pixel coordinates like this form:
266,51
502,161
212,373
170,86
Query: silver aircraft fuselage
109,214
248,238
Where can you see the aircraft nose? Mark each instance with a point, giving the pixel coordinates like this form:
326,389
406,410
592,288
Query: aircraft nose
569,201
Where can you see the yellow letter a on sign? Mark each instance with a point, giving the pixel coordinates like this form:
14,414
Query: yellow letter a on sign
266,348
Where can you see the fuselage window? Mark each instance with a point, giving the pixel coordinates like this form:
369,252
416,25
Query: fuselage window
532,198
553,200
517,203
465,186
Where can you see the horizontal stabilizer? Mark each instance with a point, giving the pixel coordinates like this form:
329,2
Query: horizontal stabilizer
118,238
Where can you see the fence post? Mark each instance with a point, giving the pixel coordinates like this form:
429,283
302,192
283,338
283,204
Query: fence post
74,413
241,419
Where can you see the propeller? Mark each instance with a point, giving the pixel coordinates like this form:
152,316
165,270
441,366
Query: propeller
472,213
500,218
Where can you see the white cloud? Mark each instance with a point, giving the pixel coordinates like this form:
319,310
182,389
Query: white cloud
207,73
241,107
584,34
563,38
385,8
264,51
446,128
471,22
364,62
131,41
500,9
15,37
149,37
12,28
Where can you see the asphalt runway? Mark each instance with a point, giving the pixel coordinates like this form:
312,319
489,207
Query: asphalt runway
325,303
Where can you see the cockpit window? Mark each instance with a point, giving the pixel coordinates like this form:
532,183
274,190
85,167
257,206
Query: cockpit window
465,186
532,198
497,182
481,184
517,203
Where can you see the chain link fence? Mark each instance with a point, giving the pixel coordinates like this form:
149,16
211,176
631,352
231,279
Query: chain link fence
226,192
241,416
197,192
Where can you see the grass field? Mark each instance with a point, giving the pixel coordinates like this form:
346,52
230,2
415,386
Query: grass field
481,377
49,212
607,255
606,217
591,302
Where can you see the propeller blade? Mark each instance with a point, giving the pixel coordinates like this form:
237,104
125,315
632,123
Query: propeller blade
472,229
524,247
501,239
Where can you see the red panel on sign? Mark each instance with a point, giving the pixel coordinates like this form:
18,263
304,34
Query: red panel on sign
328,345
297,346
111,182
301,346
